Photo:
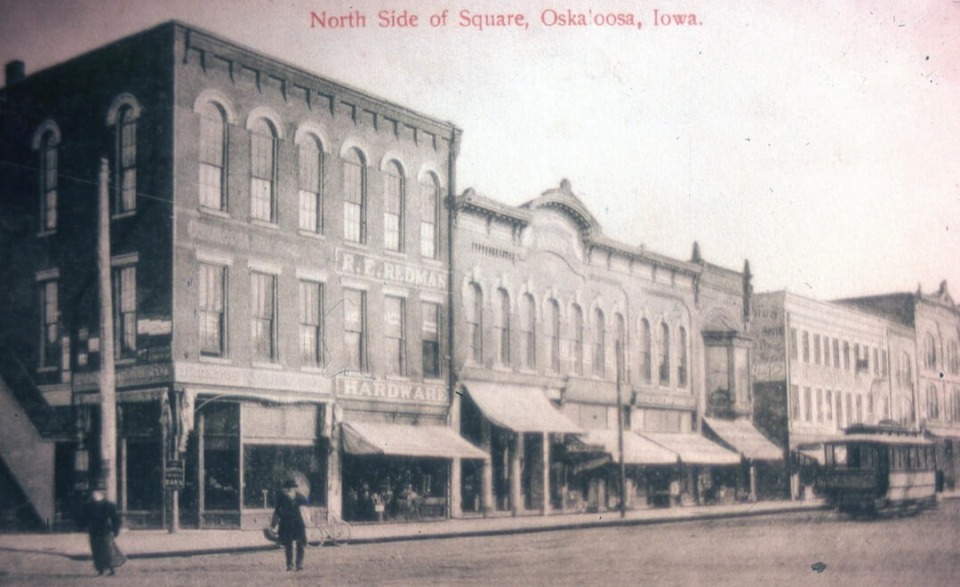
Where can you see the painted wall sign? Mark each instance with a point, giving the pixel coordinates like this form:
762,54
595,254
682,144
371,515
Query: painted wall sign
354,263
353,387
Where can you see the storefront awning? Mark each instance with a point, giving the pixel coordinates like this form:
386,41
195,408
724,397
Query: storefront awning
744,437
365,438
693,449
637,450
519,408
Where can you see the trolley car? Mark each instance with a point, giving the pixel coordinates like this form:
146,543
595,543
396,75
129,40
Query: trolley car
880,468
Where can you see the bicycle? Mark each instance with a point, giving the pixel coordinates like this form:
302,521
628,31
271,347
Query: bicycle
324,527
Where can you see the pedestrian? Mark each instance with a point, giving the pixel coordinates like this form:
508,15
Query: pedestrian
288,521
103,525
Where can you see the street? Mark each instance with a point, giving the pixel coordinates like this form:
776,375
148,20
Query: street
819,548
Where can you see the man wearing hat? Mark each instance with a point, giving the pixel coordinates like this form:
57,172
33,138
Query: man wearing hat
103,525
287,516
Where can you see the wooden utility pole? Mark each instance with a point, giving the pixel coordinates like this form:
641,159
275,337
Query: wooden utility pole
107,379
623,467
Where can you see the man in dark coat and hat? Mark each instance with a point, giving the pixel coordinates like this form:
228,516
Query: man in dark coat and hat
103,524
287,516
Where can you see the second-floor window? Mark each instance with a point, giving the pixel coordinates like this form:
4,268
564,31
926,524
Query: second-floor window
929,351
599,344
310,167
354,197
576,338
393,195
682,357
473,313
213,135
212,294
502,326
528,336
431,339
553,334
646,359
125,311
263,296
126,161
263,171
311,324
394,330
49,323
354,330
664,348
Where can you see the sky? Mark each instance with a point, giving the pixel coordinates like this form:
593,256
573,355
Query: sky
819,140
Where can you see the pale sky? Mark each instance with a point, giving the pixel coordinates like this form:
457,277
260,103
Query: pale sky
819,140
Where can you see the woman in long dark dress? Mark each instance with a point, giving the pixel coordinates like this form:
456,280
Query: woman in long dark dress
287,516
103,525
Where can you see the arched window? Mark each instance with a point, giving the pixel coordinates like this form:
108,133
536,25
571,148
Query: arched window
310,167
393,195
576,338
646,363
682,357
354,196
502,326
953,360
664,350
263,170
553,333
429,216
125,160
473,312
930,351
933,403
48,180
213,155
599,344
528,323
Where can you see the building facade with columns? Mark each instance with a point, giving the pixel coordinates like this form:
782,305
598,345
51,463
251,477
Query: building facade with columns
562,335
279,258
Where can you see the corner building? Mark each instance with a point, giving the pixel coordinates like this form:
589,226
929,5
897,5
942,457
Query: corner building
280,287
560,333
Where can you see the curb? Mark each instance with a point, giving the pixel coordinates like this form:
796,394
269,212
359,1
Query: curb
611,523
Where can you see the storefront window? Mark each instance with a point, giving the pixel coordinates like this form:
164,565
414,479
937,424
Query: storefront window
266,467
383,489
142,456
221,456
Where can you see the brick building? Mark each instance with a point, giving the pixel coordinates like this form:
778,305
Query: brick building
934,319
819,367
279,271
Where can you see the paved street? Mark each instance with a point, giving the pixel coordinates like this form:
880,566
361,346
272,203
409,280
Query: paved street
781,550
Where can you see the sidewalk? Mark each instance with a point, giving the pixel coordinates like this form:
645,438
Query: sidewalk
160,543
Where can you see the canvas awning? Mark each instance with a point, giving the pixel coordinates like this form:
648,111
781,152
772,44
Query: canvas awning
693,449
365,438
744,437
637,450
519,408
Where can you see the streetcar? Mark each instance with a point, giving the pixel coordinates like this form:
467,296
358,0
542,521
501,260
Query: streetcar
877,469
